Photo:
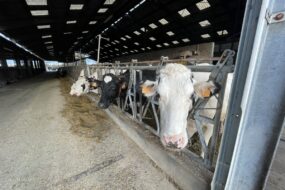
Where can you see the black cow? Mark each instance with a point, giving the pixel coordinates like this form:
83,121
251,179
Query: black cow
113,86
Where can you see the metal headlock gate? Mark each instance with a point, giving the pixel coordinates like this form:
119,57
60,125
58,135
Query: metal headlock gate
219,73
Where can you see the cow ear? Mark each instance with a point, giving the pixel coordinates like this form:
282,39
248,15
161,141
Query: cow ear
148,88
95,83
205,89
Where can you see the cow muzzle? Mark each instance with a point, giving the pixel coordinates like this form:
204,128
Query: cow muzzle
175,142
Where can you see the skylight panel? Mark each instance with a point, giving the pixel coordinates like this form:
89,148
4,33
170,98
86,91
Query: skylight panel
116,49
76,7
117,41
153,26
80,37
49,42
158,45
185,40
222,32
125,47
43,26
175,42
49,47
39,12
203,5
47,36
166,44
122,38
36,2
127,36
102,10
143,29
184,12
71,22
152,38
205,36
170,33
75,43
67,32
204,23
85,32
136,43
163,21
136,50
114,43
93,22
109,2
137,33
148,47
143,49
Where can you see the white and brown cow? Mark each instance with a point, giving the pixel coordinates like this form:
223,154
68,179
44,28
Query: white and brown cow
80,86
85,84
175,87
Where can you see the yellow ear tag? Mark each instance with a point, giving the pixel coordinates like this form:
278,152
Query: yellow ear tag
206,93
146,89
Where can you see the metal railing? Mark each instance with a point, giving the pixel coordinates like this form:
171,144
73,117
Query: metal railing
139,109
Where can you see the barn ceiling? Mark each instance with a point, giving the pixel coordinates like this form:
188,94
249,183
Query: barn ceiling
54,29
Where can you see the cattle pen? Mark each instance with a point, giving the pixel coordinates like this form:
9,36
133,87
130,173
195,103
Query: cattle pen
142,94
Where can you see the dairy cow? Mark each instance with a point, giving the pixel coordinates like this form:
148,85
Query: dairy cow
113,86
84,84
176,86
80,86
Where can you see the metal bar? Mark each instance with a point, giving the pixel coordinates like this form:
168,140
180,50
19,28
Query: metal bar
234,111
263,105
155,117
134,94
217,119
140,100
193,68
202,140
98,49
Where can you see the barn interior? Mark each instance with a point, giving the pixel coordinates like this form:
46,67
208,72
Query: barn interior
33,32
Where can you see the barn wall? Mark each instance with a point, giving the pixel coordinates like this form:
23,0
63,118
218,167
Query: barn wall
204,50
12,74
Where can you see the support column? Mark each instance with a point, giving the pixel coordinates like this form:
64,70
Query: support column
263,104
234,108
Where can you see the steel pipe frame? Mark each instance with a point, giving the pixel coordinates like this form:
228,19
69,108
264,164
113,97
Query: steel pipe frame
153,102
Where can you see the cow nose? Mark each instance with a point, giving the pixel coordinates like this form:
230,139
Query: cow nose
176,141
101,105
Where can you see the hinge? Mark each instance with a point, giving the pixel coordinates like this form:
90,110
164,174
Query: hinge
275,17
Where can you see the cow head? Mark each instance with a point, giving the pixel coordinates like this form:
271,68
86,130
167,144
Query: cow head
80,86
175,88
111,87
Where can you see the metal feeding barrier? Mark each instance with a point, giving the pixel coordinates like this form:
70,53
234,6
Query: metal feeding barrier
139,107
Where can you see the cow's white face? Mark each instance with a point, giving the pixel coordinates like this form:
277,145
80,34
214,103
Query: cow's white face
81,86
175,88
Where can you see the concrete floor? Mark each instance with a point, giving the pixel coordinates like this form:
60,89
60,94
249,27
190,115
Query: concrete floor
40,150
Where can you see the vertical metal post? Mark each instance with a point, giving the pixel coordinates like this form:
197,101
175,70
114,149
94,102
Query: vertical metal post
234,111
98,50
263,102
140,99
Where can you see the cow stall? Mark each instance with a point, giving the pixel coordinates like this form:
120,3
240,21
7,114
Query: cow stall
146,113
